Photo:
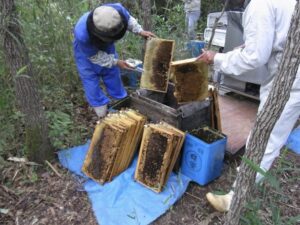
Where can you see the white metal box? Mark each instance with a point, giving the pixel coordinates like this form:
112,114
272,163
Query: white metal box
211,17
219,37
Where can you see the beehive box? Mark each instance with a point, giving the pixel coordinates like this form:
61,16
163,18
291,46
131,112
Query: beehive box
222,23
191,80
163,107
160,147
218,39
113,145
158,56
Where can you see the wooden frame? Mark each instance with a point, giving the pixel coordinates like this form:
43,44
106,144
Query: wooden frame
157,60
160,147
113,145
191,80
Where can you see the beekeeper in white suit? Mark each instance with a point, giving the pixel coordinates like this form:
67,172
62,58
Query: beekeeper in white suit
266,24
192,10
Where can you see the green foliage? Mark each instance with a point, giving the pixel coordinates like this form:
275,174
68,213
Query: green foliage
130,47
60,125
171,25
267,176
48,32
47,28
265,206
209,6
250,216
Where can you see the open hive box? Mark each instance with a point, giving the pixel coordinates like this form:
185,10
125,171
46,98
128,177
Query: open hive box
160,147
113,145
158,106
191,80
158,56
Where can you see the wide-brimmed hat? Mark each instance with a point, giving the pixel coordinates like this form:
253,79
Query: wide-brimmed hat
107,24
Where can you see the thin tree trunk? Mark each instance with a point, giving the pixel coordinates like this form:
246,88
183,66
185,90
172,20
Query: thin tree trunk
146,16
146,9
37,144
266,119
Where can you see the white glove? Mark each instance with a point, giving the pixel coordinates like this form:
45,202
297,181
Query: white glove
101,111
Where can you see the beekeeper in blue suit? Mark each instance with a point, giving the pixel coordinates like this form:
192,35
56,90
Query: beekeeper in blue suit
266,24
94,36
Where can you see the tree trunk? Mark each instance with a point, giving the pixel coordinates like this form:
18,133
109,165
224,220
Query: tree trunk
146,16
146,9
37,144
266,119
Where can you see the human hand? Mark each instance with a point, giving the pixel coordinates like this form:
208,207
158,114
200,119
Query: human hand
124,65
207,56
147,34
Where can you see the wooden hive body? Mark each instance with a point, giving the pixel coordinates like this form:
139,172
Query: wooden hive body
191,80
113,145
161,144
158,56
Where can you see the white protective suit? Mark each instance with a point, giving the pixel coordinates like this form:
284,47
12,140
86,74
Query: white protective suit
266,24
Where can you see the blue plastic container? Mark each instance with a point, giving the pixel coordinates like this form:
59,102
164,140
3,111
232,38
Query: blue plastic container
202,161
293,142
133,77
195,47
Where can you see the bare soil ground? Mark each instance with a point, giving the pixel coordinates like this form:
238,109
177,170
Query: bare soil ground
37,195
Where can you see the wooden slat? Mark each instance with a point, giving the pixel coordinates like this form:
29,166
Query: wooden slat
215,110
184,61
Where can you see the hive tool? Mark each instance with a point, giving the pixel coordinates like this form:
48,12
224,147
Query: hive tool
135,64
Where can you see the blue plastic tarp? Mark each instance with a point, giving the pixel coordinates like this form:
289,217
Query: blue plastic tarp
124,201
293,141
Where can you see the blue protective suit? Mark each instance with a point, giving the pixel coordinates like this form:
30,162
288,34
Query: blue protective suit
89,71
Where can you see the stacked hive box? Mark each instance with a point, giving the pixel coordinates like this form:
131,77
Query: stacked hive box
191,80
160,147
158,56
113,145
